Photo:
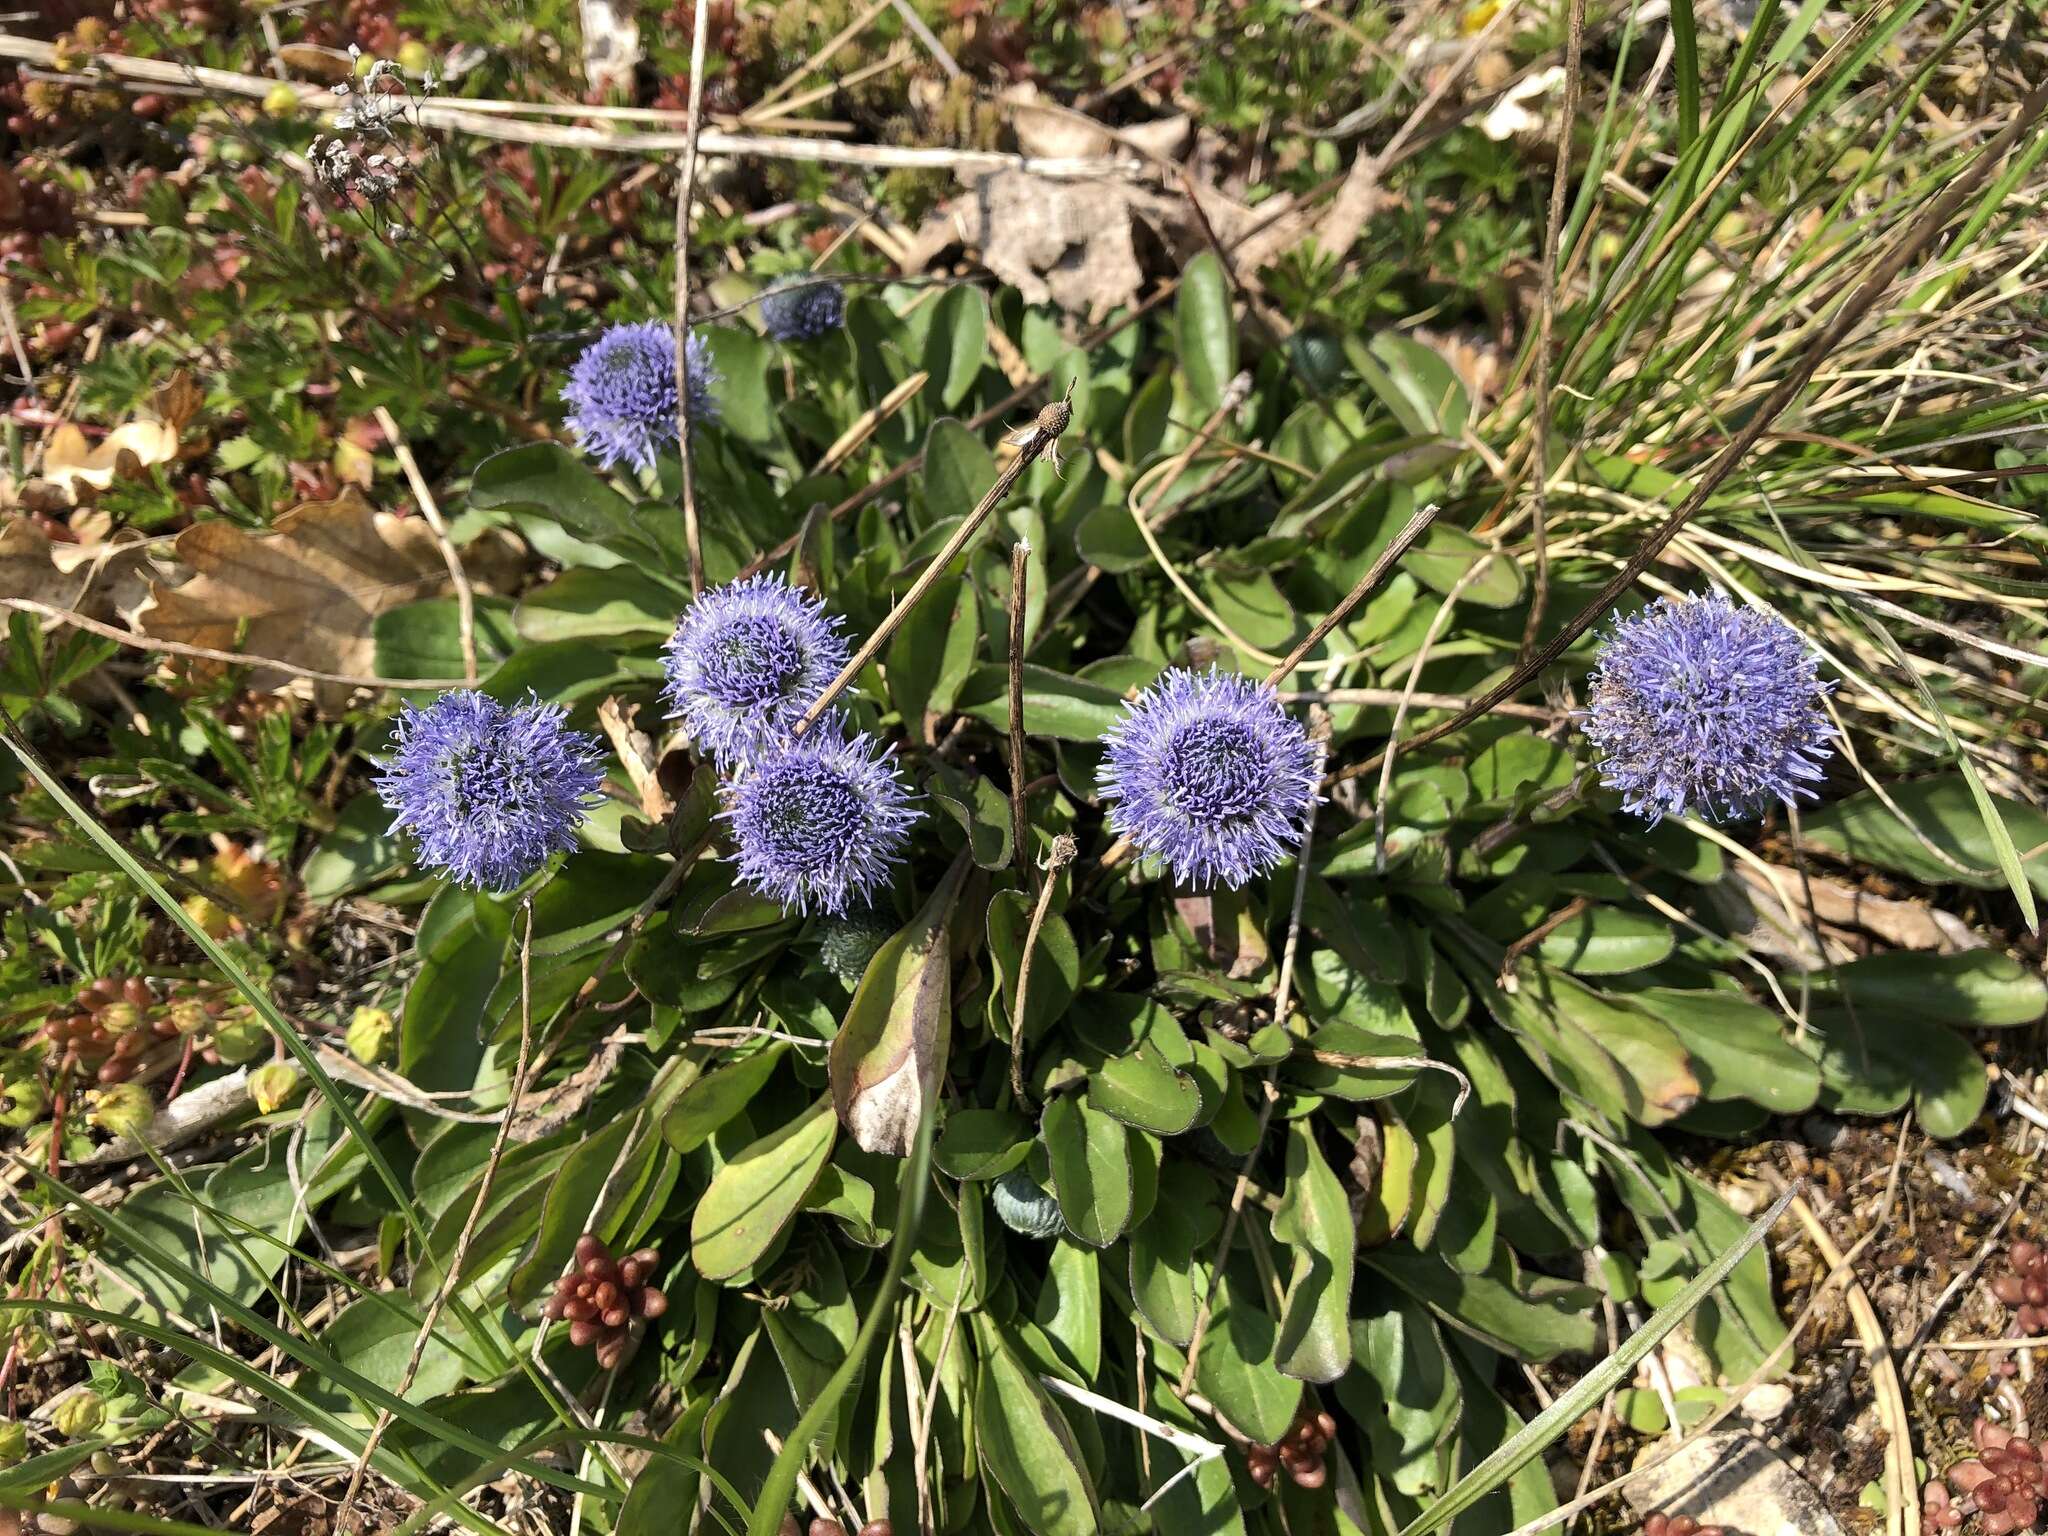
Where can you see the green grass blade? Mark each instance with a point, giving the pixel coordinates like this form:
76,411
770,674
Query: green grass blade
257,997
780,1485
311,1356
1616,1368
1685,59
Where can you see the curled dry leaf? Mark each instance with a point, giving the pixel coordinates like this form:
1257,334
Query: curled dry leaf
890,1053
307,592
71,461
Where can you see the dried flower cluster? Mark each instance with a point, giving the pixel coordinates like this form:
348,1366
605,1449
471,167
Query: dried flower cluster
2005,1485
2023,1285
602,1297
1300,1452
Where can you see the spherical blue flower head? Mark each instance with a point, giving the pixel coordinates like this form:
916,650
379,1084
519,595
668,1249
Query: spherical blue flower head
820,822
1704,708
746,660
803,309
489,790
622,393
1209,775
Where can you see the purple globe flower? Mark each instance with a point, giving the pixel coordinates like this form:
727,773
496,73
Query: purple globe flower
1703,707
1209,775
622,393
489,790
803,309
746,660
820,822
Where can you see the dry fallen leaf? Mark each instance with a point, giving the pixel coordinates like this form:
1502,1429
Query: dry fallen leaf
98,580
126,451
307,591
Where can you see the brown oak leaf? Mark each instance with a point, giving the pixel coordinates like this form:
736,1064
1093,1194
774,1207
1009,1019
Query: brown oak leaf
307,592
96,579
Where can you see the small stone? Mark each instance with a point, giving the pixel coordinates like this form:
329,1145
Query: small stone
1735,1481
1766,1402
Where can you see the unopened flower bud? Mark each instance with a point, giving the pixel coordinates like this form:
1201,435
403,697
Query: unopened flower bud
79,1415
188,1015
281,101
120,1018
240,1039
274,1086
369,1035
122,1109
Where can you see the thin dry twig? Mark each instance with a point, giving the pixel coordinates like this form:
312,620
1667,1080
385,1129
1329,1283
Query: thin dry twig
1546,316
1366,586
693,538
1045,433
1063,850
1020,822
1281,998
207,653
430,509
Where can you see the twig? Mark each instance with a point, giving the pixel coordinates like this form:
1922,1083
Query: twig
1441,617
1902,1487
1546,316
482,121
430,509
831,45
921,1447
692,535
1986,1246
924,34
1384,698
1063,850
1020,824
453,1277
1883,272
1367,584
1185,1441
134,641
1052,421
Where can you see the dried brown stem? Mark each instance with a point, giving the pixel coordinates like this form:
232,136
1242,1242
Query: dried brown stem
1063,850
1020,822
1546,317
1052,421
1367,585
693,537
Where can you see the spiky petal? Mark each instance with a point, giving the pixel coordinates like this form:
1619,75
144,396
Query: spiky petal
820,822
490,791
746,660
1702,708
622,393
1209,775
